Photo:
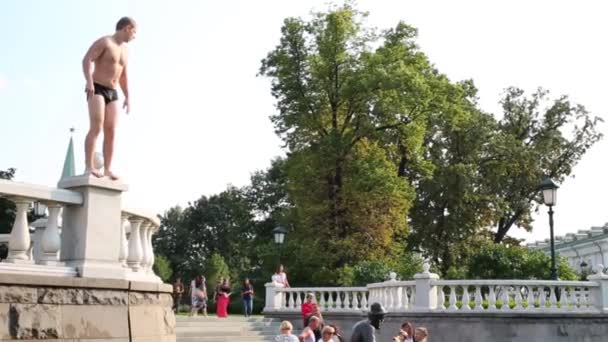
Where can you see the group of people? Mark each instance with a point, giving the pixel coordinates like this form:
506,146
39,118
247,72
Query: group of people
221,296
317,330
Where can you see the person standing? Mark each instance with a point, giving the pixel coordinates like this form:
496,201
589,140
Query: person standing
109,56
247,293
178,292
308,307
223,299
280,277
365,330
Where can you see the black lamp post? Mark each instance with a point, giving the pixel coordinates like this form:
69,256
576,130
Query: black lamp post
549,189
584,270
279,237
39,209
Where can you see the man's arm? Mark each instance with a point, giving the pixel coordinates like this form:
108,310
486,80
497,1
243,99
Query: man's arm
124,82
89,58
124,85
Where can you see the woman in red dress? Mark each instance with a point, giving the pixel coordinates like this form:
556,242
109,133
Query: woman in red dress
223,299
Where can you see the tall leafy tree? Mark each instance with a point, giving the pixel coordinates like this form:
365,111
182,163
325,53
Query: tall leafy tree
341,89
536,137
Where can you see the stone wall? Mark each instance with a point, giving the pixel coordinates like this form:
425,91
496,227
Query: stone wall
84,309
471,327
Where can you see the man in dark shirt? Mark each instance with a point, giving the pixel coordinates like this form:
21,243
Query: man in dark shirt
364,331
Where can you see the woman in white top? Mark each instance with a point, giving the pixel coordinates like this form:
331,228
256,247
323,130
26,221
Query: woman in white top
286,335
280,277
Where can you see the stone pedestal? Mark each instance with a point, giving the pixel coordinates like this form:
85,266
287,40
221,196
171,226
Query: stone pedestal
90,237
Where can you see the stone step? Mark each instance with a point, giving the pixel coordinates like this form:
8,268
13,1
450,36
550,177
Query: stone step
228,326
224,339
226,319
194,333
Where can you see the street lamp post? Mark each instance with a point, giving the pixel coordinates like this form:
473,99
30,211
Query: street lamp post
279,238
549,189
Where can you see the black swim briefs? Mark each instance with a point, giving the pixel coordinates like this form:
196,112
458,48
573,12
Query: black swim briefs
109,94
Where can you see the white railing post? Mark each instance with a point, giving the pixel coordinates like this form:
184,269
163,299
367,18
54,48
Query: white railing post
426,290
143,235
273,298
19,243
135,252
124,244
599,295
51,240
150,254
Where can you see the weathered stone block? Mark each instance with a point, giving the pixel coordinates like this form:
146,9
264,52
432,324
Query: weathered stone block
105,297
34,321
169,320
60,296
165,300
143,298
94,321
18,294
147,320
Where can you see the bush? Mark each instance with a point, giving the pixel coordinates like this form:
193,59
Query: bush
377,270
162,268
497,261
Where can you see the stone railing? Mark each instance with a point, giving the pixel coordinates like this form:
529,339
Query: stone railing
428,293
87,232
290,299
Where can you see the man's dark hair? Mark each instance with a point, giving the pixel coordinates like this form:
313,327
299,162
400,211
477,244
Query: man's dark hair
124,22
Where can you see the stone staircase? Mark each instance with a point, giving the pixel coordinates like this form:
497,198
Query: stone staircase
235,328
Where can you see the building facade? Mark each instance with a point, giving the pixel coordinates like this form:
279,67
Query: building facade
585,250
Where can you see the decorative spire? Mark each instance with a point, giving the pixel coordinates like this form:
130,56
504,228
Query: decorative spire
69,167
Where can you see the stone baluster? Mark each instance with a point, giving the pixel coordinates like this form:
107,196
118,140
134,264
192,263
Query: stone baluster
150,252
563,298
492,298
19,242
573,299
338,300
478,298
322,303
135,250
364,301
552,298
330,300
51,240
298,299
356,302
542,298
124,244
406,298
505,298
440,299
465,298
518,298
530,298
143,235
453,298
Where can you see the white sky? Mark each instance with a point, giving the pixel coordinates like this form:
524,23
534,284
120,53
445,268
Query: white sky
200,114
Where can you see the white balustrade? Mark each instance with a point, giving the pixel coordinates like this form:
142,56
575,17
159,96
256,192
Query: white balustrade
516,295
342,299
51,241
135,248
124,243
394,295
62,245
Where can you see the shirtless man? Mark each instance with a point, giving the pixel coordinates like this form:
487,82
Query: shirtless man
109,55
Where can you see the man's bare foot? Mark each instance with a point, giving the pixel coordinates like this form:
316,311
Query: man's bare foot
110,174
93,172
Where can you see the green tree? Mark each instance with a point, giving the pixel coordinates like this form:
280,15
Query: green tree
499,261
341,91
7,208
536,137
162,268
215,268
